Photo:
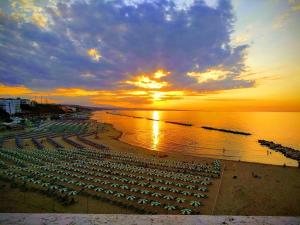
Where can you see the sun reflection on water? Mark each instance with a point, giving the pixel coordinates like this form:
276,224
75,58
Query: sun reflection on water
155,130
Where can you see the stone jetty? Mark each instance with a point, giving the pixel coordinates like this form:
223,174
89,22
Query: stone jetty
225,130
286,151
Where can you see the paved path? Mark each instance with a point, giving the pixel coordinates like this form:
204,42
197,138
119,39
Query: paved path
117,219
216,198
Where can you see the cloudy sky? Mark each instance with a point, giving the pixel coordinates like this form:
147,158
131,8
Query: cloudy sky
162,54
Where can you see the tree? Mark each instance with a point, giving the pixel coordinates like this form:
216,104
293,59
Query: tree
4,116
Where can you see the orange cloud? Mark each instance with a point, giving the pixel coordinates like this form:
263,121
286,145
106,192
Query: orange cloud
25,91
14,90
70,92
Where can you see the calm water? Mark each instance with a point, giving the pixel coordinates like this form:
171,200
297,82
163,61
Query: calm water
156,135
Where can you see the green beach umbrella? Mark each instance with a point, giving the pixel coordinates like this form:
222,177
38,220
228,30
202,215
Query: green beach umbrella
142,201
180,200
190,187
98,189
114,185
130,197
186,211
170,207
73,193
119,195
195,203
186,193
168,197
155,194
109,192
145,192
174,190
155,203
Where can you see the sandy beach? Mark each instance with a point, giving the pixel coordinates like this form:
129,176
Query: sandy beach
243,189
276,190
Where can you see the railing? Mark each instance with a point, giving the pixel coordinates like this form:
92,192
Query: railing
54,143
37,143
73,143
91,143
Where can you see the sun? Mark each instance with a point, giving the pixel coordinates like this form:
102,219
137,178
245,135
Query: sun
157,96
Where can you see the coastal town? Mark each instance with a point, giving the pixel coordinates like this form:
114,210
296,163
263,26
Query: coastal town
20,113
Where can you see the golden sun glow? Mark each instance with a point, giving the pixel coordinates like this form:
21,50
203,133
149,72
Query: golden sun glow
210,74
158,95
164,99
160,73
145,81
94,54
139,93
150,81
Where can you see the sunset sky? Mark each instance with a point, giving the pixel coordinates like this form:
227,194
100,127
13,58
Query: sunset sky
215,55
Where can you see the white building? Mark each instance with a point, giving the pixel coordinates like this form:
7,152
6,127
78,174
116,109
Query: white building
10,105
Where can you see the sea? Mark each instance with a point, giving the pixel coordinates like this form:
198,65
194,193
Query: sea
148,129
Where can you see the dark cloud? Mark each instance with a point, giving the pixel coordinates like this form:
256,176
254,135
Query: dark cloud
130,38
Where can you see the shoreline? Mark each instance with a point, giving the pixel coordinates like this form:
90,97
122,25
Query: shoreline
244,188
119,136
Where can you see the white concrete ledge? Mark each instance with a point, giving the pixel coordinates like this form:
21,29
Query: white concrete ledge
118,219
